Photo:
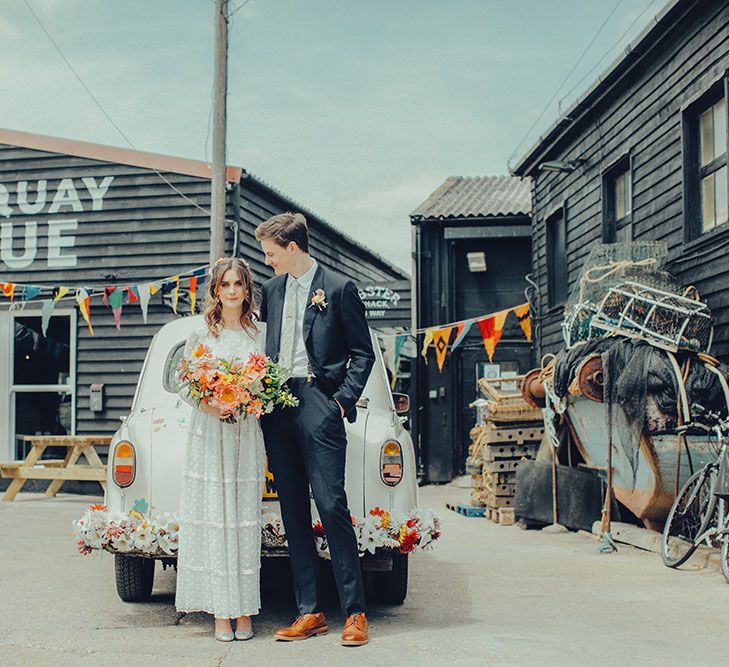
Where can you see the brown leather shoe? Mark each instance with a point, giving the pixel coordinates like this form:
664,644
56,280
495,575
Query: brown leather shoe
355,631
305,626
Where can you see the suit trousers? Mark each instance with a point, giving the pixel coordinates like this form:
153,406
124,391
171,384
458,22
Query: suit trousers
307,447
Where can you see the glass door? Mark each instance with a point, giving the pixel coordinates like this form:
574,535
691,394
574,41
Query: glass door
42,390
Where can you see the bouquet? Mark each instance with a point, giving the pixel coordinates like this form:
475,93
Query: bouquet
254,387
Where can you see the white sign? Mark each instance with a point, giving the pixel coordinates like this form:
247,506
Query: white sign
33,198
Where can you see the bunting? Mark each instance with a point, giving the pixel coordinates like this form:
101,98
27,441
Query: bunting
46,313
82,300
132,294
145,293
30,292
440,341
8,290
399,342
491,330
114,298
462,329
426,342
193,294
175,293
525,319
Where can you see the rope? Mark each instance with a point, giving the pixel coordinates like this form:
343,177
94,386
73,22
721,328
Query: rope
609,269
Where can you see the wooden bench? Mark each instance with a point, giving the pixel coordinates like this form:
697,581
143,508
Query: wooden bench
57,470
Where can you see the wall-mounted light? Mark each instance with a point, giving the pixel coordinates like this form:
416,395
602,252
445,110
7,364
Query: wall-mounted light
476,261
560,165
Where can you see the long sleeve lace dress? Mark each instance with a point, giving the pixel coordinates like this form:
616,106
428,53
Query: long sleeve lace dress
218,566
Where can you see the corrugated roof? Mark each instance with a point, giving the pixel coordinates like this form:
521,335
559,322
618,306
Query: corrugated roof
477,197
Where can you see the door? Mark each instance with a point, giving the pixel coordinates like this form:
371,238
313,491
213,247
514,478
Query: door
38,386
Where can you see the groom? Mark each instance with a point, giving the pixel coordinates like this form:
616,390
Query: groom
316,327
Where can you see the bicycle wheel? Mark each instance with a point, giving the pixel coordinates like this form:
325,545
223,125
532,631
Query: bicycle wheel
689,517
724,539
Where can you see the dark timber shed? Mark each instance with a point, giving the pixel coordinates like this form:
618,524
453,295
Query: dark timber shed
641,156
74,214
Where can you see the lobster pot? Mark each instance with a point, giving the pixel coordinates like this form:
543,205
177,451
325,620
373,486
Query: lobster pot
666,320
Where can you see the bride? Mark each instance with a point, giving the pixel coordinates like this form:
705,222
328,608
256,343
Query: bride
222,481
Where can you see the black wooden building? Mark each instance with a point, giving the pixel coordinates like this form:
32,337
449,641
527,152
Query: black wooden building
473,251
74,214
641,156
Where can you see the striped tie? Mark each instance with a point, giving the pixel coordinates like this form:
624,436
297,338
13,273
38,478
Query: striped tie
288,326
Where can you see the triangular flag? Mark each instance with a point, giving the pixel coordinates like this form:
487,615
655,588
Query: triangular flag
193,293
46,313
115,298
426,342
399,342
525,320
132,294
82,299
59,293
8,290
461,332
175,293
491,329
30,292
145,292
440,341
153,288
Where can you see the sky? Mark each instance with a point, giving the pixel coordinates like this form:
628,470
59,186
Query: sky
356,110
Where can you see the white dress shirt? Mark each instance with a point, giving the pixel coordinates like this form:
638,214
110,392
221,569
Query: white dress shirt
300,366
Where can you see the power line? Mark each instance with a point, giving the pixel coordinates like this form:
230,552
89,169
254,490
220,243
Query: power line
585,76
107,116
605,55
240,6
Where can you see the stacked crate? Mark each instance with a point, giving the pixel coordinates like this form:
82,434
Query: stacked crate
509,432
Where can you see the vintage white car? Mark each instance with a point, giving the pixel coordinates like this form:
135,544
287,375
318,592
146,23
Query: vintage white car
146,456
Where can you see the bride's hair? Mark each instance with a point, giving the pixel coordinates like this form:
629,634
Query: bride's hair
213,305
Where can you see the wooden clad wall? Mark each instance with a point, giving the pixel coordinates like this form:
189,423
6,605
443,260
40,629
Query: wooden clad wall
145,231
643,119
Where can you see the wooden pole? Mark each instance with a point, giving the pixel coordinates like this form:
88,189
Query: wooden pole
220,92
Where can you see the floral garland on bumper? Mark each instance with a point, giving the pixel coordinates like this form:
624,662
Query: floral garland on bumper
134,533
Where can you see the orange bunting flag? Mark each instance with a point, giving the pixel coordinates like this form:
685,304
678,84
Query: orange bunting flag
82,299
441,337
426,342
175,293
491,329
193,293
525,319
8,290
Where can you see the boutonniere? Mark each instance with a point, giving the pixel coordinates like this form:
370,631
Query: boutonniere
318,299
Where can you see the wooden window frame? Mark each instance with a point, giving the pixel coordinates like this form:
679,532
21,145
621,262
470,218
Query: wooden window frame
610,223
554,299
693,172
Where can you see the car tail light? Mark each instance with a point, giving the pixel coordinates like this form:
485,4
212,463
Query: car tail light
124,463
391,463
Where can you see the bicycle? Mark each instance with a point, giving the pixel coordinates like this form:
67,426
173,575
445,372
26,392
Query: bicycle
699,513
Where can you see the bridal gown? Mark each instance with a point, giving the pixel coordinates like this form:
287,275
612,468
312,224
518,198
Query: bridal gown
218,565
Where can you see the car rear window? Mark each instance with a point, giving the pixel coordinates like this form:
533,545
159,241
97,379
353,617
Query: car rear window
169,377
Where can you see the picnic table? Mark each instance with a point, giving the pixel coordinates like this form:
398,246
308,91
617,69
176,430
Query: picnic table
57,470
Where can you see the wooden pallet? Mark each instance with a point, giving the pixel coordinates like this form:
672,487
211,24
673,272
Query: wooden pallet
519,434
499,478
502,465
495,502
502,450
500,489
504,516
467,510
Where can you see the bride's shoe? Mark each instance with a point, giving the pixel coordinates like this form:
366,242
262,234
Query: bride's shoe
224,635
244,634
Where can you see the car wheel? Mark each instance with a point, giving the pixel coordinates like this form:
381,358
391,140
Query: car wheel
392,587
134,577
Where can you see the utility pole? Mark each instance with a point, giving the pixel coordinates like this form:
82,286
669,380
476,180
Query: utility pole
220,103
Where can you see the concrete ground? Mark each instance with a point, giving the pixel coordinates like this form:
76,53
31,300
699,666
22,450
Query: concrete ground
488,595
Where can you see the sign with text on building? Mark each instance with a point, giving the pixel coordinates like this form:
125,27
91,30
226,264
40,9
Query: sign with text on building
31,210
379,300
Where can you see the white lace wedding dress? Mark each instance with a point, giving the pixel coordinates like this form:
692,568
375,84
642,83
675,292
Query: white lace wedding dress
220,500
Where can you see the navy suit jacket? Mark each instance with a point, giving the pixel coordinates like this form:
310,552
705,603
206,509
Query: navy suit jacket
337,338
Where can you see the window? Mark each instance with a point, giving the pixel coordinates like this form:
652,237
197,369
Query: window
618,203
705,170
170,380
557,279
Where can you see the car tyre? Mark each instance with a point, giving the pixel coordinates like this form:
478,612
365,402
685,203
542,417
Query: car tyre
134,577
392,587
